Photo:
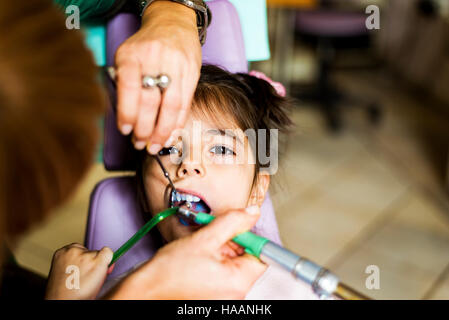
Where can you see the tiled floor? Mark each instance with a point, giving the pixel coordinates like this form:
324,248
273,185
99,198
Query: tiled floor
372,196
369,196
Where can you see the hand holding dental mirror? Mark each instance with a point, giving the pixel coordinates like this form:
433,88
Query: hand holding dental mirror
165,50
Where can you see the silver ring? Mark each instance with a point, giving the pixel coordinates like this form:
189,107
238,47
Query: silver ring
149,82
162,81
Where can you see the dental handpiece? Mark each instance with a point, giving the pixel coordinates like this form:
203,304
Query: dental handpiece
323,282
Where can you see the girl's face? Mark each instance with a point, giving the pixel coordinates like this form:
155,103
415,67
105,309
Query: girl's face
212,167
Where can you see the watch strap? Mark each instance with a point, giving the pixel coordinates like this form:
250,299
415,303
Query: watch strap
203,13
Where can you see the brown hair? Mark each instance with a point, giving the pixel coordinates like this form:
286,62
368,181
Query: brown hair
50,103
252,103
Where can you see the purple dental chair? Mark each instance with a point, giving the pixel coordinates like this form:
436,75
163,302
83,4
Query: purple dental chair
114,211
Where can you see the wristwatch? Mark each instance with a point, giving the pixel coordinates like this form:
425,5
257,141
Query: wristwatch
203,13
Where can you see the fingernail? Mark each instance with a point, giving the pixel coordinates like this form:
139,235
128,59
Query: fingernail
139,145
168,143
155,148
110,269
253,210
126,129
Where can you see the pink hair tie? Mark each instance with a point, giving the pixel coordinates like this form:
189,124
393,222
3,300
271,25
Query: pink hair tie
280,89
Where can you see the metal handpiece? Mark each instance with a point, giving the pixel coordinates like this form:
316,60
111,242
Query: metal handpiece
323,282
187,214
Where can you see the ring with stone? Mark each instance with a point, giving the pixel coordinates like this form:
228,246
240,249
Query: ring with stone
149,82
163,81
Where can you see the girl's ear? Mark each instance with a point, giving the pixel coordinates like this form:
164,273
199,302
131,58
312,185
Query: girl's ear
260,189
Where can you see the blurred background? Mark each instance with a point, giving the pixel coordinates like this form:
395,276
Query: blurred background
365,179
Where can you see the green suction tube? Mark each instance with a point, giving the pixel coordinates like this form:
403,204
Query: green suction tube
252,243
142,232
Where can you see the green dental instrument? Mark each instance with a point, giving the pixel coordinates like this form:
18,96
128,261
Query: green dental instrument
142,232
150,224
323,282
252,243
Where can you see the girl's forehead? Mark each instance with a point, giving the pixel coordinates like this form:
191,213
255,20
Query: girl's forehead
204,125
215,117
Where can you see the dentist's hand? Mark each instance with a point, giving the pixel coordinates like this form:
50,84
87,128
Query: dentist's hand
195,268
75,261
167,43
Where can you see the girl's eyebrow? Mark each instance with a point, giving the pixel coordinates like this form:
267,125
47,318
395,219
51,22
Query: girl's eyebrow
227,132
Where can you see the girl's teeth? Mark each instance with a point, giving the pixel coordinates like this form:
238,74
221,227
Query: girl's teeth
184,197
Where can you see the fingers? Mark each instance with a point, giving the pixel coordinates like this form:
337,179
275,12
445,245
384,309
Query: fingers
228,252
232,250
153,116
227,226
76,245
128,94
250,268
110,269
168,112
236,248
75,250
177,99
148,111
104,256
189,83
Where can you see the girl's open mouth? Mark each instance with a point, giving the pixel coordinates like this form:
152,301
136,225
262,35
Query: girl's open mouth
192,201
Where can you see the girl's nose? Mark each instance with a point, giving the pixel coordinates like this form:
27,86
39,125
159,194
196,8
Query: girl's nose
191,169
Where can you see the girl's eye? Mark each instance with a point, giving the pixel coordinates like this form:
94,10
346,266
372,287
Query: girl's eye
168,151
222,150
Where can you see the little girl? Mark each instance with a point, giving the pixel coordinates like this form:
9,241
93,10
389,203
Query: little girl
218,162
